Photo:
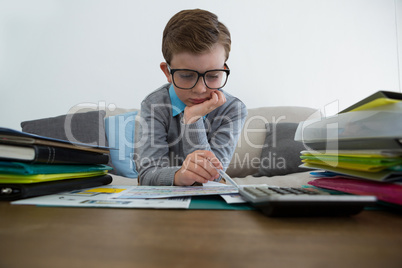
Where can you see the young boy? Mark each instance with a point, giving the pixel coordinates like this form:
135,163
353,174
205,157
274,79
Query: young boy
190,126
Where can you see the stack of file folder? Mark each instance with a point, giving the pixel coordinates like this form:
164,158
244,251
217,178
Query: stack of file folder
362,143
32,165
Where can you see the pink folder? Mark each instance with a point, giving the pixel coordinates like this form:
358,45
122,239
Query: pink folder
388,192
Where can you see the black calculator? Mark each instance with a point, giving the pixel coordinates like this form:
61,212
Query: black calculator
289,201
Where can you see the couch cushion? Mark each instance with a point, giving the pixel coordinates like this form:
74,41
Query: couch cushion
246,158
281,153
289,180
120,136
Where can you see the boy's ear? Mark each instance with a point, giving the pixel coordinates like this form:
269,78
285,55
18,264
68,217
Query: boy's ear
165,70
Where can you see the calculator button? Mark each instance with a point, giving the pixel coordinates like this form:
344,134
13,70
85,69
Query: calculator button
254,191
278,190
265,190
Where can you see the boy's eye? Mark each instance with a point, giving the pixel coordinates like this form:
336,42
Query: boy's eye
187,75
213,75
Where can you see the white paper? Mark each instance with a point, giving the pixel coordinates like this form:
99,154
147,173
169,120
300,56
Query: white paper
236,198
103,198
233,198
135,192
214,183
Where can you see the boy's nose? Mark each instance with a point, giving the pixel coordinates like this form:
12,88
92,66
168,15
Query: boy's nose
200,87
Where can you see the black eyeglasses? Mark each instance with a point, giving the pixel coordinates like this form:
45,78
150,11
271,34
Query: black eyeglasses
187,79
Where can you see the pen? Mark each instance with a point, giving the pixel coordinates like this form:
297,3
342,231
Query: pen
225,176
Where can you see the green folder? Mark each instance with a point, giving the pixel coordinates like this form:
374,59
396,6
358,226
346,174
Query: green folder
216,202
33,169
17,178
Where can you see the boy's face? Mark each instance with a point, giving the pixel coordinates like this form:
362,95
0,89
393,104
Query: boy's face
214,59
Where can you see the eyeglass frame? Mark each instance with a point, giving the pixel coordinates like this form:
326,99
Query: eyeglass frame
227,71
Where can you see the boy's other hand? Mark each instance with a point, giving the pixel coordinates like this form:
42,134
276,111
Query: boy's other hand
195,112
199,166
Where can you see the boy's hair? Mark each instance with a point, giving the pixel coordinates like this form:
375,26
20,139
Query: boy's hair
194,31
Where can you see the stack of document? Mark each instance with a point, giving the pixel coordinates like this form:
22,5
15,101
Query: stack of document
363,142
36,165
378,165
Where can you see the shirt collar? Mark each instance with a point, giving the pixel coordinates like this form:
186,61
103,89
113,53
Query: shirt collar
177,105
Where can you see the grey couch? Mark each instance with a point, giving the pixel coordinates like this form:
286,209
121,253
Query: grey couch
245,167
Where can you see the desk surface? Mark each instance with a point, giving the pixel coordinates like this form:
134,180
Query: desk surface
94,237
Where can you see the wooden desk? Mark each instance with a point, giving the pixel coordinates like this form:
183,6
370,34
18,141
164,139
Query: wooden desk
92,237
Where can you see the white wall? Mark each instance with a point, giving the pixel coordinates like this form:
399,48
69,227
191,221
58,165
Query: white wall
55,54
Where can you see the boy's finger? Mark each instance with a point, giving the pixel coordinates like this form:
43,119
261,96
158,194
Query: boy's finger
201,168
215,162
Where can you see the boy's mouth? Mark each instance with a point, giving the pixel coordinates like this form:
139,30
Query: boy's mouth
198,101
